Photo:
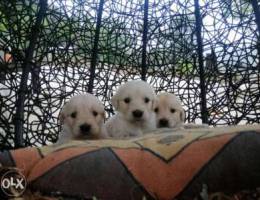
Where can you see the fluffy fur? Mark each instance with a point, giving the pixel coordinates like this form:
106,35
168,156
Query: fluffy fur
134,105
169,111
82,118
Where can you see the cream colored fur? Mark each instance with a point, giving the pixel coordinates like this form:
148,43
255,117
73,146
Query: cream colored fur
126,123
82,118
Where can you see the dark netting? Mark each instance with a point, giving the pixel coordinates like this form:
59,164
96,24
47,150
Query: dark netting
207,52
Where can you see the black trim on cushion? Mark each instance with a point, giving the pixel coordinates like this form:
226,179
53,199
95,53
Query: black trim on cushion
98,173
235,167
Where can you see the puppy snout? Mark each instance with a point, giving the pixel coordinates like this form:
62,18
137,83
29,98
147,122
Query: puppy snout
85,128
163,122
137,113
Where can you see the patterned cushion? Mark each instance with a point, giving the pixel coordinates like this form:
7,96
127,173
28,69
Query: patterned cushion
165,164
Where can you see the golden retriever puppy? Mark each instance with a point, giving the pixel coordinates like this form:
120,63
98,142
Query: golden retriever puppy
82,118
134,105
169,111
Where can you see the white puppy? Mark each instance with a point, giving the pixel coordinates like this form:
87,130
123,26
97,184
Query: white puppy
170,113
134,105
82,118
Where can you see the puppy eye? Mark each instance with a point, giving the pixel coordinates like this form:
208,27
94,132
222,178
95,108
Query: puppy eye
127,100
173,110
156,110
73,115
146,99
94,113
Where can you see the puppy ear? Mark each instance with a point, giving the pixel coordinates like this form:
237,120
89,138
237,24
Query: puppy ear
182,115
103,115
62,117
115,102
62,114
154,103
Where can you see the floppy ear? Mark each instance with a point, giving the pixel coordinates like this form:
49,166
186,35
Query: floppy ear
103,114
62,117
115,101
154,103
182,115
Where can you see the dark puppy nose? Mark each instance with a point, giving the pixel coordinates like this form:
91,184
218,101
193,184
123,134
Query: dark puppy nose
85,128
137,113
163,122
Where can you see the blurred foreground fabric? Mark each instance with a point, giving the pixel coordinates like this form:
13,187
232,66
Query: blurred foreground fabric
209,163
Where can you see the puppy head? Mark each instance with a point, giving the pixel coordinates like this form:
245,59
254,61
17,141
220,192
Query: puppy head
169,111
83,116
134,100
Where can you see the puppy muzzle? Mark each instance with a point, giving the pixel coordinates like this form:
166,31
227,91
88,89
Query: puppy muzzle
85,129
137,114
163,123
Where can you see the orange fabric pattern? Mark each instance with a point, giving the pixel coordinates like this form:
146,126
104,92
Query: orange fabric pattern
25,159
165,164
55,159
167,179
